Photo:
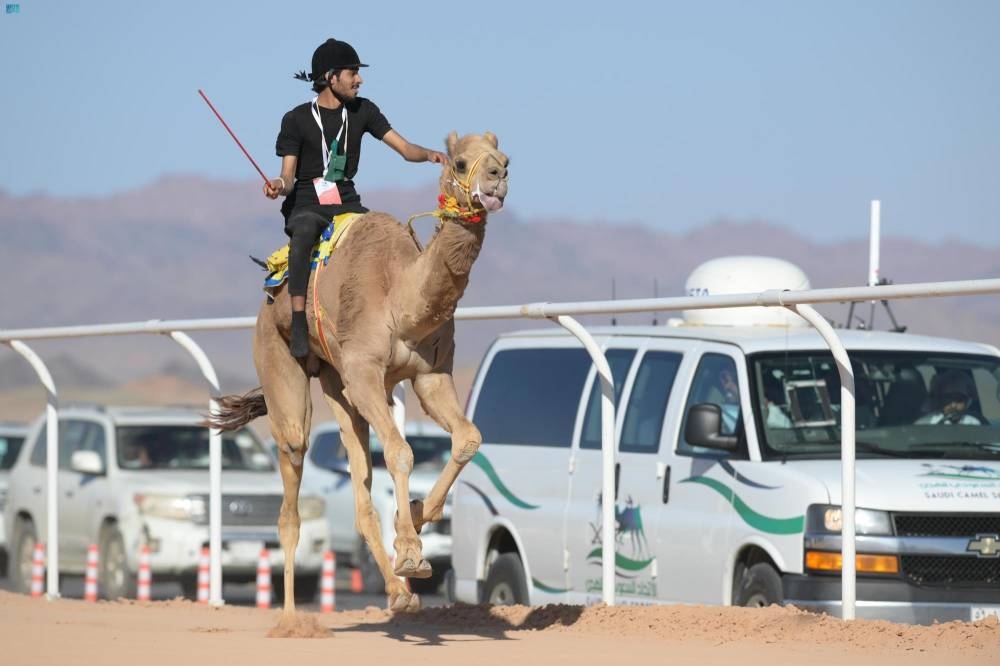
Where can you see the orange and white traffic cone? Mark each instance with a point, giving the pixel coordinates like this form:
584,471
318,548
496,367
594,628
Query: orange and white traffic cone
357,583
145,576
90,577
203,578
327,592
264,580
38,570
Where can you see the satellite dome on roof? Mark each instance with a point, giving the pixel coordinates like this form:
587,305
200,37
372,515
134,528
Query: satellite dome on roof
744,275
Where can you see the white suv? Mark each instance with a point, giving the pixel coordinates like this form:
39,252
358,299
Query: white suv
327,474
130,477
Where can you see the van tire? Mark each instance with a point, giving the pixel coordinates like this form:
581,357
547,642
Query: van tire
759,587
113,575
23,556
505,582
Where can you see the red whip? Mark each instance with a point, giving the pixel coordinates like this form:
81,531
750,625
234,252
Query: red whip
234,136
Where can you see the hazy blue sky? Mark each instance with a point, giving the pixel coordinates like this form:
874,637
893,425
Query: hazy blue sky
666,113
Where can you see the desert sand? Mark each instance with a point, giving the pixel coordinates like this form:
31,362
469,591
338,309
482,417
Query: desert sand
37,631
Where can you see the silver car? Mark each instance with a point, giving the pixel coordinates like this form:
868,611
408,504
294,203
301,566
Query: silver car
327,475
12,436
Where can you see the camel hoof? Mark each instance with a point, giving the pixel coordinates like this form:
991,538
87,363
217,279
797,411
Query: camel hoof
404,602
410,569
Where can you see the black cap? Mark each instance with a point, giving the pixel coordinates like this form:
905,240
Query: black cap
333,54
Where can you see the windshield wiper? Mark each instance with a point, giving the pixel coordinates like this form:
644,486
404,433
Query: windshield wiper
870,447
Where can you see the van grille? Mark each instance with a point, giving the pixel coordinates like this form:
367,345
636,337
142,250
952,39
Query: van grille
946,524
250,510
933,570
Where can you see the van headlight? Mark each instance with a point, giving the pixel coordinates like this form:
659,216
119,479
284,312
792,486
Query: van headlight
829,519
172,507
311,507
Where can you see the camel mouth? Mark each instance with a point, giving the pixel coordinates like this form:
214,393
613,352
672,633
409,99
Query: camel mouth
489,202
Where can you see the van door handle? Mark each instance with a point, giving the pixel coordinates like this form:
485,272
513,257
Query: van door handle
618,473
666,484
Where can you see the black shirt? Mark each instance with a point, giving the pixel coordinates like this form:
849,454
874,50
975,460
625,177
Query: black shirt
300,136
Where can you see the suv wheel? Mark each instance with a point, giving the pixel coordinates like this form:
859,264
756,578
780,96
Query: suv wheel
371,576
114,577
505,584
759,587
24,555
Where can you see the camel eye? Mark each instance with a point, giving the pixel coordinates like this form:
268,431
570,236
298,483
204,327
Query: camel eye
460,165
495,172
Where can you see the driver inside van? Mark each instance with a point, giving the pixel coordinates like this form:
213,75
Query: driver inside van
725,393
950,399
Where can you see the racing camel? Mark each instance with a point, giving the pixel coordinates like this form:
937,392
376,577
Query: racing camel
380,313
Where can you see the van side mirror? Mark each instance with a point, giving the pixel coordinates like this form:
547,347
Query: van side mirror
704,428
86,462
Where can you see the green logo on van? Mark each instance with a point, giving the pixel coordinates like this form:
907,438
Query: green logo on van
480,461
755,520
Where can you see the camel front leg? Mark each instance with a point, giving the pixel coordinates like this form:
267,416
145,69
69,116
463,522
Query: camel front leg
366,391
440,400
354,436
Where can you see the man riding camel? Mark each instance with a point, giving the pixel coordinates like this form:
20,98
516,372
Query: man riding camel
320,148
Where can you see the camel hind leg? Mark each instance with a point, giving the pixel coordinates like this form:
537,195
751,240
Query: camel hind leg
289,410
354,436
439,399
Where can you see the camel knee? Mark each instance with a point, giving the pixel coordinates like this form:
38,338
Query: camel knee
465,443
400,461
288,519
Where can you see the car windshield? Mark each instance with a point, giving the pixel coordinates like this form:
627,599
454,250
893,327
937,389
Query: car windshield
908,405
186,447
430,452
9,447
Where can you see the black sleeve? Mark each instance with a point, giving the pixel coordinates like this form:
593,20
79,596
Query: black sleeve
289,138
376,124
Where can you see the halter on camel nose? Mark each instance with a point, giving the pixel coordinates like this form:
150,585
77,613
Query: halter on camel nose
466,185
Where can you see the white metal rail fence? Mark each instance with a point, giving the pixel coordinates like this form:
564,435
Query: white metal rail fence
799,302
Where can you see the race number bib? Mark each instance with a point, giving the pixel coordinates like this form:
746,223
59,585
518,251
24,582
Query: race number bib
326,192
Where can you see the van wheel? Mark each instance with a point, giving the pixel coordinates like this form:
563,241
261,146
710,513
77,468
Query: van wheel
24,555
759,587
113,574
505,584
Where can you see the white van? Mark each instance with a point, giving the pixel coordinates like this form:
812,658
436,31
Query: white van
728,469
138,476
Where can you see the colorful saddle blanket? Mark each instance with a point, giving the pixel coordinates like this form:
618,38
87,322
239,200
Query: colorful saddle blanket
277,263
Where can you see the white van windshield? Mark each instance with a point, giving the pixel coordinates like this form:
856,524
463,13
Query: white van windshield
908,405
186,447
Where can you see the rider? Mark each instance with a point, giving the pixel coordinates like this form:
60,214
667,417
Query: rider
320,148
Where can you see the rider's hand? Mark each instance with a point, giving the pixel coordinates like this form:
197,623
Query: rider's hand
274,188
436,157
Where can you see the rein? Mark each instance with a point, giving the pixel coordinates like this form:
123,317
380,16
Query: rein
447,210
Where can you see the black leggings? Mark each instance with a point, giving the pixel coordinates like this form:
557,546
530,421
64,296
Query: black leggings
304,228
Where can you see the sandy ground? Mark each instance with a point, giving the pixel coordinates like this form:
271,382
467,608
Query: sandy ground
35,631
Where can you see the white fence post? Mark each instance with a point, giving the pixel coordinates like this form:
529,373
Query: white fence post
51,467
848,572
214,469
607,454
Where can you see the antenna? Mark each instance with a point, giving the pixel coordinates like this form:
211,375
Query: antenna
614,320
874,239
656,294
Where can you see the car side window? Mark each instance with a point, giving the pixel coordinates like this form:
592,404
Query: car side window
72,435
328,452
715,382
647,404
530,397
620,360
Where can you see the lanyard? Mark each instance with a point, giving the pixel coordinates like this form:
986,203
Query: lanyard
314,107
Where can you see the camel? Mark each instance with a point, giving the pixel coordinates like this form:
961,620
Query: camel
386,310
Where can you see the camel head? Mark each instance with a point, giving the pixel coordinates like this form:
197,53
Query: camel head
477,173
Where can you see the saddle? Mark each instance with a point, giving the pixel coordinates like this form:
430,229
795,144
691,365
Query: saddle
277,263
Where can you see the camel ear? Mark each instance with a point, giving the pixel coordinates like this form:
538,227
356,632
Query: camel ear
492,138
451,142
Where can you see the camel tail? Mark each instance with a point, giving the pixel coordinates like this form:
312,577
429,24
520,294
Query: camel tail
235,411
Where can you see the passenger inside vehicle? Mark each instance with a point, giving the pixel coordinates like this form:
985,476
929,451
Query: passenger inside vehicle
951,400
